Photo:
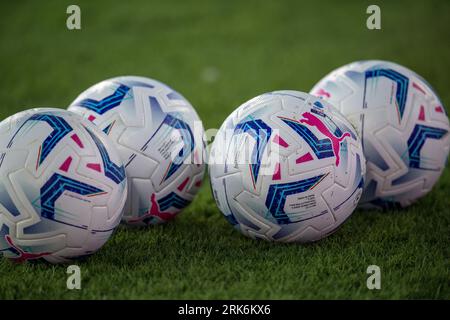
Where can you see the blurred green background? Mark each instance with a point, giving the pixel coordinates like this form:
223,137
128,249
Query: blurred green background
219,54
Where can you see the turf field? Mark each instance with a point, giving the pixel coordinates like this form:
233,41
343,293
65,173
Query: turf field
218,55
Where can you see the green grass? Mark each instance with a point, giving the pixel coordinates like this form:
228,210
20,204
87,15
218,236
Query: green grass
254,46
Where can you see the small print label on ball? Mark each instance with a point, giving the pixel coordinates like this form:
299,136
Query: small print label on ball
304,203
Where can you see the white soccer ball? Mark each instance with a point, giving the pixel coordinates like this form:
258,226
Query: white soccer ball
62,186
403,126
286,166
160,139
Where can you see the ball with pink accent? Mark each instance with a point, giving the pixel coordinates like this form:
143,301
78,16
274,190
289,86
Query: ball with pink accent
62,186
287,167
403,126
160,139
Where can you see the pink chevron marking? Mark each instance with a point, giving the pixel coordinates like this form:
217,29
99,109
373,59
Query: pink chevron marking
154,212
304,158
24,256
439,109
183,184
313,121
91,118
94,166
279,140
422,113
416,86
66,164
277,172
321,92
77,140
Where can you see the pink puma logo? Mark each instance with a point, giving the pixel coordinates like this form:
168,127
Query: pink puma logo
313,121
154,212
24,256
323,93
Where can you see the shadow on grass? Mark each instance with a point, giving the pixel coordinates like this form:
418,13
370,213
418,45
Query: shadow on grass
207,239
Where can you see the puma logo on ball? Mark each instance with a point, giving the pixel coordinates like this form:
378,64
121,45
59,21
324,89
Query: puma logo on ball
313,121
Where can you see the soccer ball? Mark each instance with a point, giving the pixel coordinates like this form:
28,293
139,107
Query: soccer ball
403,126
160,139
286,166
62,186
